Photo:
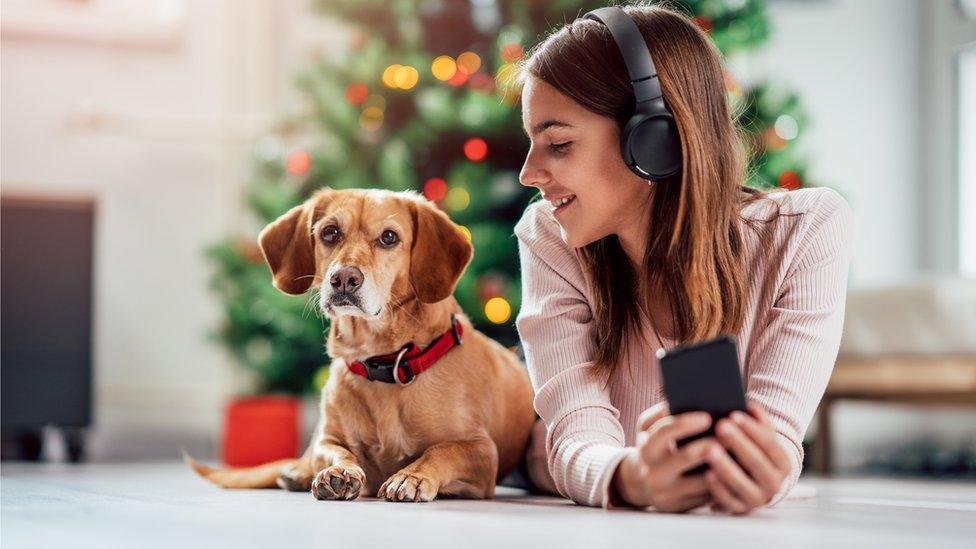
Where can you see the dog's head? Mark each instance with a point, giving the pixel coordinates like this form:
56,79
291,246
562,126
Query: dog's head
367,249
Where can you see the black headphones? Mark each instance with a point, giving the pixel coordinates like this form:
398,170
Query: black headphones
649,141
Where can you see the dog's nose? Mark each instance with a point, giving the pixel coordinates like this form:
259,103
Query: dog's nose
347,279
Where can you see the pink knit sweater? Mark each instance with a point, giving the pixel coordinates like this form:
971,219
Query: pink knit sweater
787,346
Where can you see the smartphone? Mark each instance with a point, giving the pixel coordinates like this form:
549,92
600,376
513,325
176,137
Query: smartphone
703,376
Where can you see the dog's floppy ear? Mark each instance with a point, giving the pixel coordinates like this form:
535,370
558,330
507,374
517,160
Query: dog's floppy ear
288,247
439,254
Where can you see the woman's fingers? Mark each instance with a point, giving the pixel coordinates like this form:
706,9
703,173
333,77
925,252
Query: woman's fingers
696,501
683,493
725,500
733,477
761,428
750,455
651,415
758,412
689,456
764,435
690,486
664,434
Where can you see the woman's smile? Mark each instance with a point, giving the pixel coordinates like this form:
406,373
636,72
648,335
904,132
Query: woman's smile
561,205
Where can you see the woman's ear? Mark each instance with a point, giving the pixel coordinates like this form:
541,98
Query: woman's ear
288,247
439,254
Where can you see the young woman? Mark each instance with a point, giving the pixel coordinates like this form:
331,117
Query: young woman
629,265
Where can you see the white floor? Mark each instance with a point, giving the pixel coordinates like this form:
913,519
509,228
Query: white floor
165,505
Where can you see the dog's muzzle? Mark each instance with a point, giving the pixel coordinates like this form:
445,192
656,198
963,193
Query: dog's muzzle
338,299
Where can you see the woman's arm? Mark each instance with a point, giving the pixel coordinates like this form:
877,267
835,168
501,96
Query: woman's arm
792,356
585,440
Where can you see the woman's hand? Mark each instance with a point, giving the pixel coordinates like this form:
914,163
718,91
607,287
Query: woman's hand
753,442
651,474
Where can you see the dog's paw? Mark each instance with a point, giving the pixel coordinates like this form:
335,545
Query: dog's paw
338,482
295,479
408,487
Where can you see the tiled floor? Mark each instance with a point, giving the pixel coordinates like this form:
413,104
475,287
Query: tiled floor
164,505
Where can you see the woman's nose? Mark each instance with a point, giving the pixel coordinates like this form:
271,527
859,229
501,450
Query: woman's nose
531,175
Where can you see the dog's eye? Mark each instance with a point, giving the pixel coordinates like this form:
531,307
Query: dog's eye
331,234
389,238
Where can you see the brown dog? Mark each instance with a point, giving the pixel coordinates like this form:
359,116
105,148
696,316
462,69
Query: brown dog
392,261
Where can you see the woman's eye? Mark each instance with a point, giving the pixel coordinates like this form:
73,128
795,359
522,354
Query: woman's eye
331,234
389,238
560,148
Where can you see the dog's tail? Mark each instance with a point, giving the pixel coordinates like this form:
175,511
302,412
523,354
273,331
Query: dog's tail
260,476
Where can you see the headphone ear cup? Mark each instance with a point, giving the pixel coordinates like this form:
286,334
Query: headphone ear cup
653,146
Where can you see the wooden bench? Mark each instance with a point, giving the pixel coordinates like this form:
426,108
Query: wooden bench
910,379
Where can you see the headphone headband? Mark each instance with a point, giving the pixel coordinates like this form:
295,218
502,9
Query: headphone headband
633,48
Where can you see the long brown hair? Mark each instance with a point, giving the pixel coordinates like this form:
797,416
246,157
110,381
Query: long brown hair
694,246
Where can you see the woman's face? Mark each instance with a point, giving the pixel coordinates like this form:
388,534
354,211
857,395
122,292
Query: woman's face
576,153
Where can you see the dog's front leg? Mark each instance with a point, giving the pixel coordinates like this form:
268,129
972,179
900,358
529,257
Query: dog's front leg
337,471
462,468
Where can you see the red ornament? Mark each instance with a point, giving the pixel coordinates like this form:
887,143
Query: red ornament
482,82
299,162
490,287
790,180
512,52
476,149
459,78
356,93
435,189
704,23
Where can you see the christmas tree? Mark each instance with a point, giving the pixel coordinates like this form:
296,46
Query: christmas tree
424,100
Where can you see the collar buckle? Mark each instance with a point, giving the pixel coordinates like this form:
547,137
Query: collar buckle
390,373
396,370
374,372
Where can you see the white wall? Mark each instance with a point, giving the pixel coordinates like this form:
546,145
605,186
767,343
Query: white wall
855,64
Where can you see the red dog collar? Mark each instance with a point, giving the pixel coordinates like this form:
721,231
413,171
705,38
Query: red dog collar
401,367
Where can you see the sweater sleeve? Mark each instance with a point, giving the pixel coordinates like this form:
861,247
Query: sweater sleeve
585,440
792,357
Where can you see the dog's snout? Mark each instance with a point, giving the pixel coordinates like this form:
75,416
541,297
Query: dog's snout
347,279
